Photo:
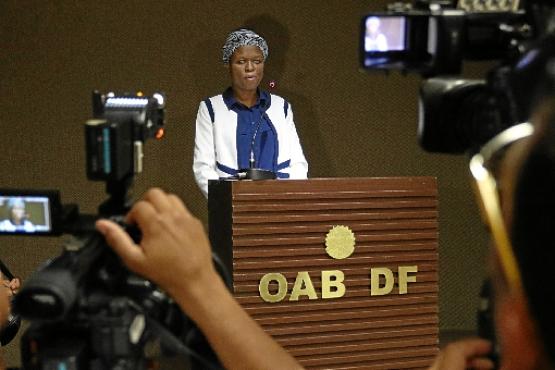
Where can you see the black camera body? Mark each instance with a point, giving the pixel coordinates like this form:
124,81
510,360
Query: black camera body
116,134
86,310
433,38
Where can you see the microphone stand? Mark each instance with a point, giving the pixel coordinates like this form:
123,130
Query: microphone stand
253,173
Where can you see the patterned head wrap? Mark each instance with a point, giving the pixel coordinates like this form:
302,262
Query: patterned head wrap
16,203
243,37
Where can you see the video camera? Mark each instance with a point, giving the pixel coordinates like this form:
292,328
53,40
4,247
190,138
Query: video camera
433,38
86,310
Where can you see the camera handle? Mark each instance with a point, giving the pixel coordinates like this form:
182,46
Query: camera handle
118,201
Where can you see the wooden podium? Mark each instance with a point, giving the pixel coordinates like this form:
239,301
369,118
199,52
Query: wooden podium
281,227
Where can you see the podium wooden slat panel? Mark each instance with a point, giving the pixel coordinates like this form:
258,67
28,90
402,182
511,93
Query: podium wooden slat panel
280,227
351,326
331,215
357,336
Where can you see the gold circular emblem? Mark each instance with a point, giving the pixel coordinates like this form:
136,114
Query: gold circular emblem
340,242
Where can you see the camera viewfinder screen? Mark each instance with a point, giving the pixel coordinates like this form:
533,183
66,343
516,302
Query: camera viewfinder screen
384,33
25,214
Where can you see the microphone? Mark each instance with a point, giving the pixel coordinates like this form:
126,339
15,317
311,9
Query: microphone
252,172
252,161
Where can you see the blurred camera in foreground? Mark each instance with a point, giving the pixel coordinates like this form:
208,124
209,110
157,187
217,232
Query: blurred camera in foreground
433,38
86,310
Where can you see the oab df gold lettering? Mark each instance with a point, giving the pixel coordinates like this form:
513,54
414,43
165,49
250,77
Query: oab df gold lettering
332,286
377,273
382,282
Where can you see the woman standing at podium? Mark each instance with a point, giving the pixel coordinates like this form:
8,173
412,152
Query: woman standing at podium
246,127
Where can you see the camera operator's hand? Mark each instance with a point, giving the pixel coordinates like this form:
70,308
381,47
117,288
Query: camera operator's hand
175,253
174,250
7,288
464,354
13,286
